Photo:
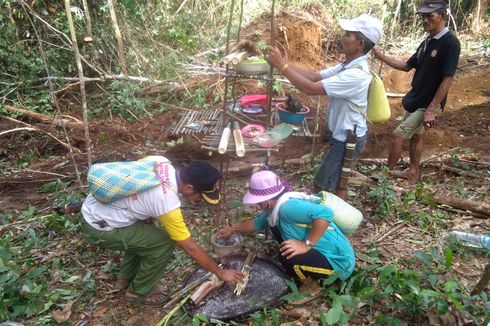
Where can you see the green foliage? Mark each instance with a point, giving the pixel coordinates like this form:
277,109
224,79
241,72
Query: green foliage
199,98
407,293
431,222
262,46
384,196
266,317
60,193
124,100
21,63
277,87
311,167
26,158
486,42
27,273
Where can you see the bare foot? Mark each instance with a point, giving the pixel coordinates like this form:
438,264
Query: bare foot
411,176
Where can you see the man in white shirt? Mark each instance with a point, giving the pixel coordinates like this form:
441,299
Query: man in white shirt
346,86
120,226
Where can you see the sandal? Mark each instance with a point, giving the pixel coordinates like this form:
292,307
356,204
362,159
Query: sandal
120,285
147,300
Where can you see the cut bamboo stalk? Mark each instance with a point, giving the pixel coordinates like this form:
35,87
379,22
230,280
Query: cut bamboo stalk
227,59
206,288
239,57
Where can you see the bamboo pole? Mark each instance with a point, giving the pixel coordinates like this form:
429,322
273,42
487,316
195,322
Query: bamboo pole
120,43
88,143
270,82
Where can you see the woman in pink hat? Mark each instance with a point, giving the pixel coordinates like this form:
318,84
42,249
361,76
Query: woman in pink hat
311,245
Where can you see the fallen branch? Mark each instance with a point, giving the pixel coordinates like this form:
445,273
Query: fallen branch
16,129
65,145
483,282
465,204
45,118
457,171
480,208
460,211
180,293
474,162
46,172
373,160
6,227
169,315
430,158
391,231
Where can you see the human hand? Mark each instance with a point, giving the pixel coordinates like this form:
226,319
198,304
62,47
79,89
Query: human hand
291,248
225,232
230,276
275,57
429,117
377,52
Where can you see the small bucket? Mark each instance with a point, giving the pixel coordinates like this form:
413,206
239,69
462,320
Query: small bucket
290,117
231,245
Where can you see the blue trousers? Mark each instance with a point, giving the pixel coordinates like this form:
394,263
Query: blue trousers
328,174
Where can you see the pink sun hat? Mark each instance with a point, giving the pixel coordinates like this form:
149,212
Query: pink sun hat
263,185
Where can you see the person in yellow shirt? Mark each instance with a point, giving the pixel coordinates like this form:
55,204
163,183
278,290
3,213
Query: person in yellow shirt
148,249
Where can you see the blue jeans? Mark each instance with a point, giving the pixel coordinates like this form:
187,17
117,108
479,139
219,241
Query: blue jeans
328,174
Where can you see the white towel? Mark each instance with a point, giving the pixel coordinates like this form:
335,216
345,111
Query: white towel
274,215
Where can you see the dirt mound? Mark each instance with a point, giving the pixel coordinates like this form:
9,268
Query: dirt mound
301,34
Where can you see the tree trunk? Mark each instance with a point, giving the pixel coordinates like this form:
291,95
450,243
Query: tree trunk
88,22
395,17
478,14
88,143
120,43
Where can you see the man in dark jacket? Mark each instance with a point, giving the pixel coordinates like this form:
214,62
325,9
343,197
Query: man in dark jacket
435,63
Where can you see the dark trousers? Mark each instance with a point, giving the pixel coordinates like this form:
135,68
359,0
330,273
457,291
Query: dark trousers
311,264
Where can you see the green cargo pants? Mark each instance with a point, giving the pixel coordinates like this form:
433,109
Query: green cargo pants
147,249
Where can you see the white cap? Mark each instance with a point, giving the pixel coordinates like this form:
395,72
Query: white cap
369,26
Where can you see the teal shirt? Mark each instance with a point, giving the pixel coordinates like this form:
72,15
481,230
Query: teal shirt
296,217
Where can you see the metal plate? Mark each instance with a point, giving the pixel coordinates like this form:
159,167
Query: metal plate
264,289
